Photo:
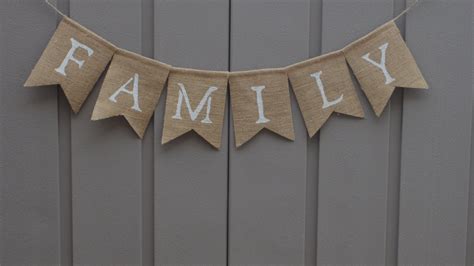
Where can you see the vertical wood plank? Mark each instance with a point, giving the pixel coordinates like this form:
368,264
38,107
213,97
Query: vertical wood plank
65,186
470,225
106,167
312,150
190,175
29,175
148,149
395,145
354,155
437,136
267,176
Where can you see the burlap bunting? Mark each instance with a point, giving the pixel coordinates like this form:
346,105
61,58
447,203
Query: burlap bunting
260,99
195,101
382,61
132,88
74,58
323,85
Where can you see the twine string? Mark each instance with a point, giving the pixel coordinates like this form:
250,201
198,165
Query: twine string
55,8
404,12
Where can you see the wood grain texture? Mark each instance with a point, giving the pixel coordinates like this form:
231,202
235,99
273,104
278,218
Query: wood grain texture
29,180
190,175
436,136
354,155
267,176
106,166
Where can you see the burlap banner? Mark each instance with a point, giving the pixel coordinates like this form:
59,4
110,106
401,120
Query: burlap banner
196,101
74,58
382,61
132,88
323,85
260,99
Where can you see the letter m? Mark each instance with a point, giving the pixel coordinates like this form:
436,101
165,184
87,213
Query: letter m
194,113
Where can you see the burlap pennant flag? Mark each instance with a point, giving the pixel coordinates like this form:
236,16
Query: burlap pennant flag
260,99
382,61
132,88
196,101
323,85
74,58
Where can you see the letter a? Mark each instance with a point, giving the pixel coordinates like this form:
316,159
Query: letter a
326,103
194,114
383,48
70,56
261,112
133,92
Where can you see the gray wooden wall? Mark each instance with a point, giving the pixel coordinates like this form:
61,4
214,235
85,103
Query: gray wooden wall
394,190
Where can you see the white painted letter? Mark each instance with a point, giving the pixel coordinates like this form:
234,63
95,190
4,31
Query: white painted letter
194,114
326,103
70,56
381,65
133,92
261,112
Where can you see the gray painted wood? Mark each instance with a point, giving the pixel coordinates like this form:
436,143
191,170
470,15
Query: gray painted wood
395,139
91,191
470,229
267,176
148,149
354,155
106,155
190,175
436,137
65,185
29,180
312,148
470,225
